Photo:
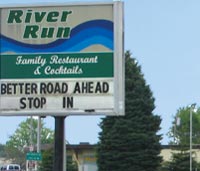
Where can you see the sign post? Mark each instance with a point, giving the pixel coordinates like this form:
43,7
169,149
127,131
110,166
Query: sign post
31,160
59,146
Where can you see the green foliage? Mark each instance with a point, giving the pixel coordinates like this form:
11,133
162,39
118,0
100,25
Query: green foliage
2,150
15,155
22,136
165,166
47,162
71,165
180,162
180,134
14,148
180,130
131,142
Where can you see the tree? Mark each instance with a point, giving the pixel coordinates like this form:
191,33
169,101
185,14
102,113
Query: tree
180,162
47,162
131,142
17,142
180,130
2,150
22,136
180,134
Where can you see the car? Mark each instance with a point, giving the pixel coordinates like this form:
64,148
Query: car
10,167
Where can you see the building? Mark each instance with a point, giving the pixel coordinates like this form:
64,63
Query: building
85,155
167,151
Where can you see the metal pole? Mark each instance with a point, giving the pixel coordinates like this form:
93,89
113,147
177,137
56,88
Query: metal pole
191,110
191,138
58,164
38,139
39,135
31,130
31,140
64,152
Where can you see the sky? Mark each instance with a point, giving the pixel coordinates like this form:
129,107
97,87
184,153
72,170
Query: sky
164,37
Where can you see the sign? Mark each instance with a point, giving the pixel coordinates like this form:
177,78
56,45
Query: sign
62,59
34,156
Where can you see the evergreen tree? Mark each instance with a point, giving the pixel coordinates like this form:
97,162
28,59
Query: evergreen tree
131,142
180,162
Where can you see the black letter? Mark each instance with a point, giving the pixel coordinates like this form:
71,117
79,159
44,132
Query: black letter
77,88
43,88
3,88
43,101
69,102
105,87
22,102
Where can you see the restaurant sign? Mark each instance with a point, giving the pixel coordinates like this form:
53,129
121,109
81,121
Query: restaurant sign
61,59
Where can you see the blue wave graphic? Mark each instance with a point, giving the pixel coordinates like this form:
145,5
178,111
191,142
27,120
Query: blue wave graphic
82,36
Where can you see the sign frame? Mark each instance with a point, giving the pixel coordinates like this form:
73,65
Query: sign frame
118,68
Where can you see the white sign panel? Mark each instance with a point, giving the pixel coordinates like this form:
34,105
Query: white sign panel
61,60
